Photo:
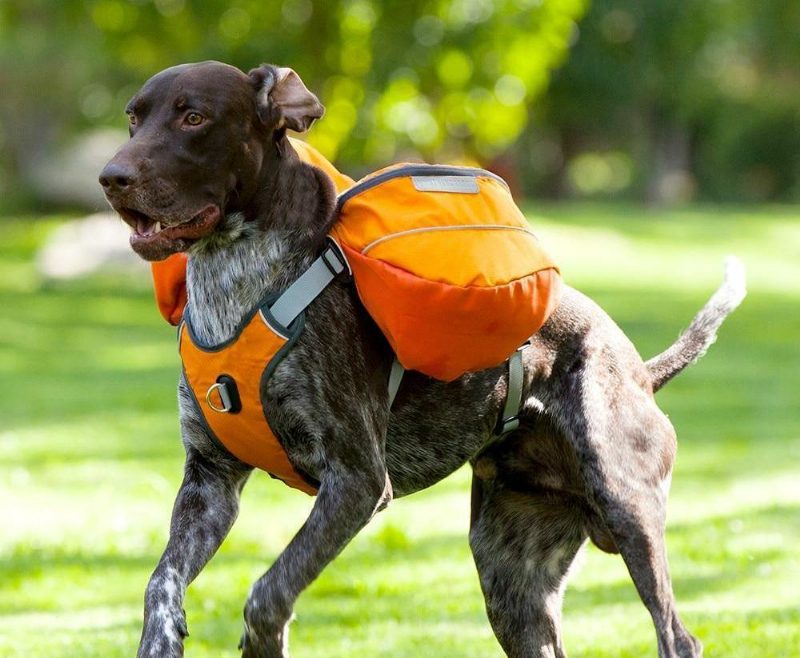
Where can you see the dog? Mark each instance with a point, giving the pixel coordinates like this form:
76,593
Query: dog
208,170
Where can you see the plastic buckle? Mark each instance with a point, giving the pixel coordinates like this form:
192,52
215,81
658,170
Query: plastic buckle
340,264
508,425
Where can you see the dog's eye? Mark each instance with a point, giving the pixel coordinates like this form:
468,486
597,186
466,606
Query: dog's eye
194,119
131,119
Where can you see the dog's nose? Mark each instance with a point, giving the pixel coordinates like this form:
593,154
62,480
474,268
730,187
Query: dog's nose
116,177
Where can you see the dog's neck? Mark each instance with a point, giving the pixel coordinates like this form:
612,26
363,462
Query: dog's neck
259,250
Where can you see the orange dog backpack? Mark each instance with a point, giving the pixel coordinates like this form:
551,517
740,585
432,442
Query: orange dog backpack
446,264
442,258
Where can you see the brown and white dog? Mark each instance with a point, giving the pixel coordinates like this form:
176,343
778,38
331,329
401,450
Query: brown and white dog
209,170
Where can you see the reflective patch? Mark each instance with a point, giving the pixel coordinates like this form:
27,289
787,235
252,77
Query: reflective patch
457,184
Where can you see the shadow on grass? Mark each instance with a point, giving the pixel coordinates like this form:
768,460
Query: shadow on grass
702,547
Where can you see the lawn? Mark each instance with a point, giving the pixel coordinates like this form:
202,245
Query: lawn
90,460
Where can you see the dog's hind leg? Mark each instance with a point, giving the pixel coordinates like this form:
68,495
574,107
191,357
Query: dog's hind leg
625,449
204,511
524,545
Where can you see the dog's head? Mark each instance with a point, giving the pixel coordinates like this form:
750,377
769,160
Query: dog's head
202,136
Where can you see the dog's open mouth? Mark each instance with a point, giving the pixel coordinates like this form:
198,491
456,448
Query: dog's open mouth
148,234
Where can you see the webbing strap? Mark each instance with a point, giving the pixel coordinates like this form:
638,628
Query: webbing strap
509,421
309,285
395,377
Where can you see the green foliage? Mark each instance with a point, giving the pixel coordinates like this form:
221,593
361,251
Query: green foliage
666,101
699,95
90,461
422,75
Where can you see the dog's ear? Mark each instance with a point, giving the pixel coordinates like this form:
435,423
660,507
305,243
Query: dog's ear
282,100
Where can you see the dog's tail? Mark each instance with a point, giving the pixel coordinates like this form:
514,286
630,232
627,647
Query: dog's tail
701,334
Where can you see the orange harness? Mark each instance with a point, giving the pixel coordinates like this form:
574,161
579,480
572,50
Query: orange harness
226,380
442,259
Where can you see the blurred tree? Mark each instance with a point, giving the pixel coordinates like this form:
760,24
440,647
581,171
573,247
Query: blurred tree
659,100
427,77
688,95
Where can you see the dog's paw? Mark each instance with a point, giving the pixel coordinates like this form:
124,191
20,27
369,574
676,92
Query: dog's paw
163,635
265,644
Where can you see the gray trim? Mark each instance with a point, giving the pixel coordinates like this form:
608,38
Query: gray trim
449,184
295,331
273,324
180,330
262,307
292,335
414,170
216,347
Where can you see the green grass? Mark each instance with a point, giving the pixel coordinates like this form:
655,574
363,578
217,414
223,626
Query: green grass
90,461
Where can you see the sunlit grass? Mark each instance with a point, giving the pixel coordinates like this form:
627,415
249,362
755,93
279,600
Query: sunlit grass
90,461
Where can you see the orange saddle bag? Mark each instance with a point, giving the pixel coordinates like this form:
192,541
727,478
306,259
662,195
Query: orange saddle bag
446,264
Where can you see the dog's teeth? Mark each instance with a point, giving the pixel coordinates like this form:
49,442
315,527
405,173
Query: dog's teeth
157,228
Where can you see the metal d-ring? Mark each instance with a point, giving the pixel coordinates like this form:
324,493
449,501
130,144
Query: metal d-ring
223,396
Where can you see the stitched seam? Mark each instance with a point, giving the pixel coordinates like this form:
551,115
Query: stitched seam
460,227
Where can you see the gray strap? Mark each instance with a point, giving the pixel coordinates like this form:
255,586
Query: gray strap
395,377
309,285
510,418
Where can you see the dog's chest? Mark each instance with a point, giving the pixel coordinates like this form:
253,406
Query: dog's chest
221,297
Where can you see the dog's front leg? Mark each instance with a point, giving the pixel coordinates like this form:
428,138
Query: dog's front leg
204,511
348,498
